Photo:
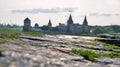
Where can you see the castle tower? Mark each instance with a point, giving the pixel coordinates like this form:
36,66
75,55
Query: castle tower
85,25
70,21
36,25
27,25
70,29
50,23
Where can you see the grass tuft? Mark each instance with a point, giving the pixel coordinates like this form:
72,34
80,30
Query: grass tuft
110,47
88,55
2,41
34,34
91,56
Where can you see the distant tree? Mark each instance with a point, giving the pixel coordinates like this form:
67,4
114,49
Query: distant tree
98,31
116,28
8,25
46,27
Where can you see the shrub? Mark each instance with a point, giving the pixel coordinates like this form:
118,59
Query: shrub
110,47
2,41
111,55
88,55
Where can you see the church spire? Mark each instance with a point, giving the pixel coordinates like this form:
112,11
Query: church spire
50,23
70,21
85,21
85,26
70,17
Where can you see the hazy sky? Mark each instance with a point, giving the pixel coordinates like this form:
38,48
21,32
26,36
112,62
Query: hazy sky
98,12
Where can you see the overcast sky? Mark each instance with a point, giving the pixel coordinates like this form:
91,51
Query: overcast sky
98,12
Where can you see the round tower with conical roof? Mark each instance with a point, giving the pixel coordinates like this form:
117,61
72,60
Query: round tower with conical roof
27,25
36,25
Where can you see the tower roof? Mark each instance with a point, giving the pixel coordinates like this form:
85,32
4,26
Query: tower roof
70,18
85,21
49,20
36,25
27,19
70,21
50,23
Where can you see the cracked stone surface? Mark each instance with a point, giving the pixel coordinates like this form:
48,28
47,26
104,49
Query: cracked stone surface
52,53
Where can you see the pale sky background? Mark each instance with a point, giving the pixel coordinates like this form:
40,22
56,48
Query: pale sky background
98,12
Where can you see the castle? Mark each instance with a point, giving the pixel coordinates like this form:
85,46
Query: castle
69,29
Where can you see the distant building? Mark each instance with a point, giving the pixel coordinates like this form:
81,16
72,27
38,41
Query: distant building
69,29
36,25
27,25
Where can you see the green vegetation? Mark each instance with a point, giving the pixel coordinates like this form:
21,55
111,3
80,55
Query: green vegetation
105,29
107,47
6,33
2,41
110,47
87,43
34,34
113,51
46,27
88,55
9,33
111,55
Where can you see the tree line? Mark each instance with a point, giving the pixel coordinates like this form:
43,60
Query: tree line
105,29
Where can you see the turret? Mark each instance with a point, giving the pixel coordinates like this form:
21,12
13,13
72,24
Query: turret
36,25
70,21
70,29
85,25
50,23
27,25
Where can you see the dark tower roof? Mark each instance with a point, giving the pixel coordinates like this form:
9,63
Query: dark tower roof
36,25
85,21
50,23
27,19
70,21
